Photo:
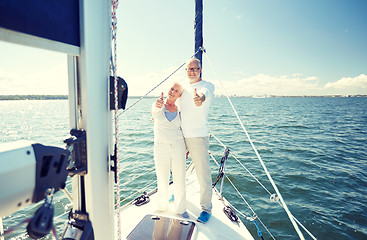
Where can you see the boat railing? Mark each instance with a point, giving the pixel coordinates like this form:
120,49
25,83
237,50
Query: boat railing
150,187
272,196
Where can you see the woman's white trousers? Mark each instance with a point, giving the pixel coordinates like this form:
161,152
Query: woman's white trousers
171,157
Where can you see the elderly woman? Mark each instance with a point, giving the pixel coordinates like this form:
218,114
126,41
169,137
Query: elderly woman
169,150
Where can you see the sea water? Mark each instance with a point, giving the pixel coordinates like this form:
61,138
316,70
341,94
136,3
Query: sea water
314,149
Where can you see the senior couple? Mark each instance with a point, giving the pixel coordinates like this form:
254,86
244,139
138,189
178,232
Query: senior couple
180,129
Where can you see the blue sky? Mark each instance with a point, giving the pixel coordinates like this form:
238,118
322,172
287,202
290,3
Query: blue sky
255,47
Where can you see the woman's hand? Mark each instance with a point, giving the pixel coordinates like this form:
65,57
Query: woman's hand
159,102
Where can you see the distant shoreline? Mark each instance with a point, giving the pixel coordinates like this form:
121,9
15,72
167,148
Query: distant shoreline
63,97
33,97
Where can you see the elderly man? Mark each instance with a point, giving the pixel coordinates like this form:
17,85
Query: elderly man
194,103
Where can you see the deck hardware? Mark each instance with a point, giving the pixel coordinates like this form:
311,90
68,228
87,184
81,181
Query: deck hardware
184,222
42,222
77,145
143,199
114,163
79,227
122,91
51,163
274,197
162,228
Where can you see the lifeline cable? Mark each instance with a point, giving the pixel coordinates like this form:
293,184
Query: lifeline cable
24,221
15,227
271,195
290,216
304,228
248,205
142,97
221,143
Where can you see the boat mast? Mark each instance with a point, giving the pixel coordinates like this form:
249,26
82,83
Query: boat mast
198,29
88,83
82,30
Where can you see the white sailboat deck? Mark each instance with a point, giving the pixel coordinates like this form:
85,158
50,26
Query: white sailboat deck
219,225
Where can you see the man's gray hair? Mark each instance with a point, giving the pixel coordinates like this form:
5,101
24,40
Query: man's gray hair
193,59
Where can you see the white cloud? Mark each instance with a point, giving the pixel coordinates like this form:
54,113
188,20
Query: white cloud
290,85
262,84
140,85
349,83
4,75
53,80
49,81
258,85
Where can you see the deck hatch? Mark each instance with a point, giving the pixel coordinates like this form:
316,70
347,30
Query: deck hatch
157,227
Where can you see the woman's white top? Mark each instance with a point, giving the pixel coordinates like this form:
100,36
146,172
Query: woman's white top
166,131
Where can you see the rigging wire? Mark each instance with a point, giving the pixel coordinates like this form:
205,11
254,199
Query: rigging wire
142,97
290,216
299,223
151,90
220,142
15,227
137,176
137,192
241,196
136,154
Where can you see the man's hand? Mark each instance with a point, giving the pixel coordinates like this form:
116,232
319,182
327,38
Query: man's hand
198,99
159,102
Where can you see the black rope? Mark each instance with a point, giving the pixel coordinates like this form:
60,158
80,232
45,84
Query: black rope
228,211
221,166
220,175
